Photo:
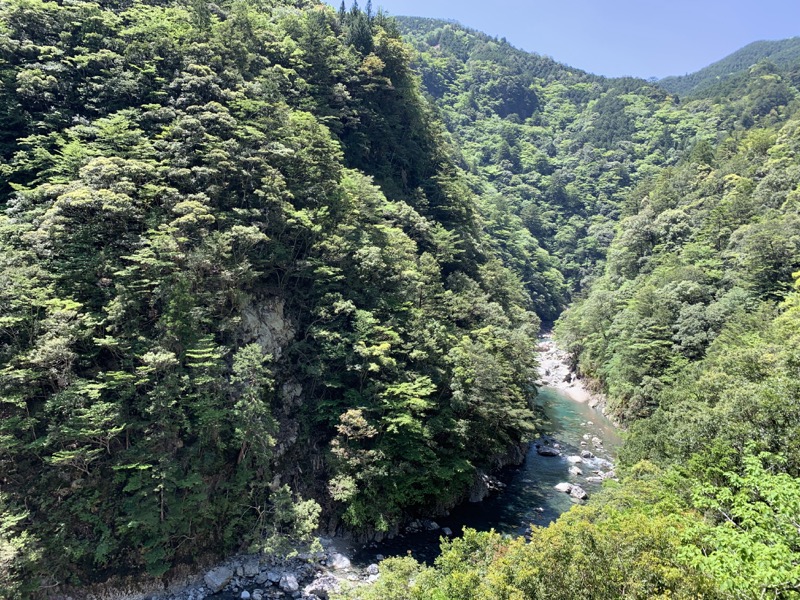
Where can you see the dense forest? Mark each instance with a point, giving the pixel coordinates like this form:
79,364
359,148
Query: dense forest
269,268
239,265
690,325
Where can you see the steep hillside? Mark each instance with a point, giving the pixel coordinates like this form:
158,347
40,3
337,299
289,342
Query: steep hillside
707,81
263,267
691,328
239,264
562,150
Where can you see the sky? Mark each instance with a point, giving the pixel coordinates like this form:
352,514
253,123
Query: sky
643,38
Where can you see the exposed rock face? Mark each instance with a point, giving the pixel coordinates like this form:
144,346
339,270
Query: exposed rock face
218,578
483,486
266,324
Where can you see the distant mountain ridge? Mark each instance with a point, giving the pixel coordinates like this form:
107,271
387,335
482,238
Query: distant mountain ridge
783,53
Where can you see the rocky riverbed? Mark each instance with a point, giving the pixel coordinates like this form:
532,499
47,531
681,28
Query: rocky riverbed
555,372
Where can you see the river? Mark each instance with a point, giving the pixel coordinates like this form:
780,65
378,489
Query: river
529,496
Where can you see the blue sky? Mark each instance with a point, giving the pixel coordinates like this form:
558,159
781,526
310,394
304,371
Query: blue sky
645,38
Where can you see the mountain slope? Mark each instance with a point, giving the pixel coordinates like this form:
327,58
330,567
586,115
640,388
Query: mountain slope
783,53
240,267
691,327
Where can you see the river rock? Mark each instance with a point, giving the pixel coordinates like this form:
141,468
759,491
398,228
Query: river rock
338,562
608,475
575,471
414,526
564,487
373,569
218,578
288,583
447,531
323,587
578,492
594,479
574,459
245,595
273,576
547,451
250,568
587,454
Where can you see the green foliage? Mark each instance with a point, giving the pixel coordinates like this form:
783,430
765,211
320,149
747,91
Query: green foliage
243,265
784,53
236,251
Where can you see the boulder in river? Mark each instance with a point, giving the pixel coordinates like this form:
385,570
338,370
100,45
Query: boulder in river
578,492
547,451
574,459
250,568
587,454
564,487
273,576
573,470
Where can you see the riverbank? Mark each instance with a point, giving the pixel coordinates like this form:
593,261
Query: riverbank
307,573
555,372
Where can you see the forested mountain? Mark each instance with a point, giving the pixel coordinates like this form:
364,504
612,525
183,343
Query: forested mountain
559,148
708,80
691,328
265,265
239,264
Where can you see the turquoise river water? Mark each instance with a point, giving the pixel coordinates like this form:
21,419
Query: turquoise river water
529,496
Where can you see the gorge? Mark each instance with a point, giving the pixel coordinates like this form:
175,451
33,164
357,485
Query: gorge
270,270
